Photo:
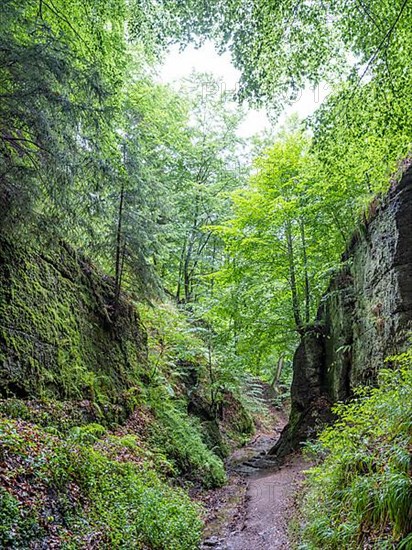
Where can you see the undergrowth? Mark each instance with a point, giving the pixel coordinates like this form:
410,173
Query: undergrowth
72,479
73,494
360,494
89,472
179,437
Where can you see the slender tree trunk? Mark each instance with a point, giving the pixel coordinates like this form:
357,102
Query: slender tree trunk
186,270
338,225
189,250
213,390
292,278
119,246
306,274
180,276
198,256
123,257
212,280
234,316
279,369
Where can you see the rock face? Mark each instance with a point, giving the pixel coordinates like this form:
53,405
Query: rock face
365,316
59,337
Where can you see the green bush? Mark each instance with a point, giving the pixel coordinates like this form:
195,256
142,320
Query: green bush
360,495
133,507
88,434
180,439
115,503
17,526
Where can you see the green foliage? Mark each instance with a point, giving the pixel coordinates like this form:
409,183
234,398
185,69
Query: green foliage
177,361
179,437
183,374
279,254
361,492
53,415
209,167
361,145
135,507
293,221
148,182
171,165
175,346
132,213
61,66
17,526
280,47
116,503
87,434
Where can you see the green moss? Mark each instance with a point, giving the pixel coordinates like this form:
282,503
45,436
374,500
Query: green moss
244,421
180,439
237,420
212,436
56,340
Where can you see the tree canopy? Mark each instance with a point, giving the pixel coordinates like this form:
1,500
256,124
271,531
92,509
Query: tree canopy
282,46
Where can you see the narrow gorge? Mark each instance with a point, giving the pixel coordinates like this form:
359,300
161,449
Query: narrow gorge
205,275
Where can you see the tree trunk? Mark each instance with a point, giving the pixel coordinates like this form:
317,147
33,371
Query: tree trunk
292,278
119,247
306,274
180,276
189,250
279,368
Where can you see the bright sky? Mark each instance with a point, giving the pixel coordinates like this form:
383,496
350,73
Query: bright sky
205,59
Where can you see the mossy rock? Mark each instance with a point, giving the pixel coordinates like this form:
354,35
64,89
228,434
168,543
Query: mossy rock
59,337
236,416
212,436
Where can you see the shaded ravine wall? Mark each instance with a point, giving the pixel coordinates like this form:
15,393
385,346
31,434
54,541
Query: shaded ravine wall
365,316
59,335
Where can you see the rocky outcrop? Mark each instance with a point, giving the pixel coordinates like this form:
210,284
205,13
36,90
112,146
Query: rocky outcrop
59,336
365,317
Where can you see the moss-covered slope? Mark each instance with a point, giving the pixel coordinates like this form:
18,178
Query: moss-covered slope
100,415
58,333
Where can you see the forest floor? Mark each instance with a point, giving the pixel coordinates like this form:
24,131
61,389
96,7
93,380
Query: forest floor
253,510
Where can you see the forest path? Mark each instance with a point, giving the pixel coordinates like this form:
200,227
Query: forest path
253,510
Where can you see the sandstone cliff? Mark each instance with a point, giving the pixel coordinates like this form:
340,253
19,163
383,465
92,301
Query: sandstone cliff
365,316
58,335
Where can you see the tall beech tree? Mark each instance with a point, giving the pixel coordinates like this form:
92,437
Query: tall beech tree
278,253
210,168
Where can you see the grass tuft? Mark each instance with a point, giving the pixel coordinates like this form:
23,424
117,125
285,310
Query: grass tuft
360,494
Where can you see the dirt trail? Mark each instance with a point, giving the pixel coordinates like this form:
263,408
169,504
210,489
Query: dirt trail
268,507
252,512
